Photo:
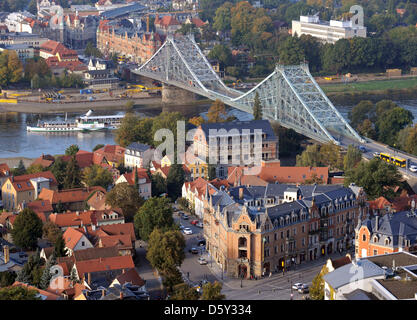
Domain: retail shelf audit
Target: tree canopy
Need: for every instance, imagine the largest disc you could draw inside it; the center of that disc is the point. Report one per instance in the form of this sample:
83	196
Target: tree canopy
27	228
125	197
96	175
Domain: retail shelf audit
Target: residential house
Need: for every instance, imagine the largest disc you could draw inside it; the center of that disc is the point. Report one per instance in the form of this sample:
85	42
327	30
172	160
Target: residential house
4	173
144	182
137	155
26	188
97	201
197	193
83	158
75	240
45	161
168	24
112	155
392	232
43	208
69	199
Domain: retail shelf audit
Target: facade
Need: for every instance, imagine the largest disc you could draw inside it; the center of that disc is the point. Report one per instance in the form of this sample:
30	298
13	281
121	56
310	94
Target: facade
22	38
252	231
138	47
112	155
197	193
75	240
23	51
26	188
144	182
137	155
80	30
328	32
166	25
214	142
392	232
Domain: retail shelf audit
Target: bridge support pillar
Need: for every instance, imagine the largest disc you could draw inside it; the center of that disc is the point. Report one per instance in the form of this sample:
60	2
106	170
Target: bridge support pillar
175	95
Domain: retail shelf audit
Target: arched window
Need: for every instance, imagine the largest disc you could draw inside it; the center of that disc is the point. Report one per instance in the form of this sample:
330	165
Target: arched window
364	237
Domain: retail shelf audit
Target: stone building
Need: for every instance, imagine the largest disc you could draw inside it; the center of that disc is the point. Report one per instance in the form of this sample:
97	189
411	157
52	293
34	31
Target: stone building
136	46
80	30
251	231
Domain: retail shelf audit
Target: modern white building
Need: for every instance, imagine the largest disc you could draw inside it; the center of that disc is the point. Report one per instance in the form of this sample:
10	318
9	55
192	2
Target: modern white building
326	31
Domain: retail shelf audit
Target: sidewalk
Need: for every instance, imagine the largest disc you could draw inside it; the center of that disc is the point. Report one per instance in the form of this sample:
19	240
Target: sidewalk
234	283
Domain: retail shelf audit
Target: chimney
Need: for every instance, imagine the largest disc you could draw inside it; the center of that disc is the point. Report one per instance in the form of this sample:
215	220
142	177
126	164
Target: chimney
240	193
77	213
89	278
103	292
123	270
376	222
121	295
6	253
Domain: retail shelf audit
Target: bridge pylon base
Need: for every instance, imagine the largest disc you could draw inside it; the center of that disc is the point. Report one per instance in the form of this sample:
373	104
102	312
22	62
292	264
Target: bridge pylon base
177	96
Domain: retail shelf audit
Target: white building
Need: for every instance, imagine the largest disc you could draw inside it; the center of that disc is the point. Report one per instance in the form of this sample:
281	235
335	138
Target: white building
75	240
138	155
327	31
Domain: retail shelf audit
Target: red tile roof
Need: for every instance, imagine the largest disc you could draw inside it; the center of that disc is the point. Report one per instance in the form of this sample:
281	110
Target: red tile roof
120	240
84	158
22	183
166	21
104	264
44	160
41	206
109	153
378	203
114	229
198	22
71	237
71	219
68	195
142	174
132	276
4	170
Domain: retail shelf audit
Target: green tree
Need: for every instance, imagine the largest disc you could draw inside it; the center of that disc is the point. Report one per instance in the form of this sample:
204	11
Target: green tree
310	157
367	129
175	180
217	112
98	146
27	228
317	286
352	158
410	145
291	51
11	69
222	54
376	177
222	20
90	50
51	232
365	109
97	176
156	213
212	291
34	168
59	169
72	177
18	293
125	197
257	108
391	122
46	274
211	172
159	185
20	170
59	247
72	150
183	291
166	250
7	278
32	270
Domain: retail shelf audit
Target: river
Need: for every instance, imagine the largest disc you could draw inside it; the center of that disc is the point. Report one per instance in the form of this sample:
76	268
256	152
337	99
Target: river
15	141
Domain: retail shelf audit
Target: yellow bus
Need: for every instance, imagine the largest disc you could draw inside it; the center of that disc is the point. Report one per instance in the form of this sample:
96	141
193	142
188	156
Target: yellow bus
400	162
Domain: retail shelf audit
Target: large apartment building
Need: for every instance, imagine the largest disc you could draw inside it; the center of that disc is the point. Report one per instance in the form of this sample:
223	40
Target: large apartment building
251	231
235	143
326	31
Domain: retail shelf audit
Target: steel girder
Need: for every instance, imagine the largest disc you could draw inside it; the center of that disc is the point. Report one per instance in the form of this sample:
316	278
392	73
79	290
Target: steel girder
289	95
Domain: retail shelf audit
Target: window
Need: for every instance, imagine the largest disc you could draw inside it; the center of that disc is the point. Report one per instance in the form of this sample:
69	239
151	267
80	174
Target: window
303	229
282	235
82	243
364	238
288	233
375	252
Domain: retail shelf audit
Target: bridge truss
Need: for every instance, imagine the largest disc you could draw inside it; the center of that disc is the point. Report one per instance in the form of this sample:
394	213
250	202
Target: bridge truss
289	95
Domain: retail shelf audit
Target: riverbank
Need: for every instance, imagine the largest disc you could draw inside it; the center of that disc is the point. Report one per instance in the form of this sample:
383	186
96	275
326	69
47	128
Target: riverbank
376	90
13	162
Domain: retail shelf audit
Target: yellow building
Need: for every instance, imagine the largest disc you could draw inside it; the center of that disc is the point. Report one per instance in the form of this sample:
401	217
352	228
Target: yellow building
26	188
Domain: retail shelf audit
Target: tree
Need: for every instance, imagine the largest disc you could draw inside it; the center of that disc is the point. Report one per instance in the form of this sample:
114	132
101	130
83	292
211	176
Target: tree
376	177
391	122
46	274
317	286
90	50
7	278
257	108
27	228
217	112
32	270
222	54
156	213
410	145
20	170
175	180
125	197
291	52
72	150
59	169
183	291
366	128
159	185
223	17
166	250
352	158
72	177
97	176
211	172
212	291
98	146
34	168
18	293
129	106
310	157
11	68
59	247
51	232
197	121
365	109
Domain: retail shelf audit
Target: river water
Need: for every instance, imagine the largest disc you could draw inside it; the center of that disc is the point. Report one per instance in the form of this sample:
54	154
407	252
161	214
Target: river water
15	141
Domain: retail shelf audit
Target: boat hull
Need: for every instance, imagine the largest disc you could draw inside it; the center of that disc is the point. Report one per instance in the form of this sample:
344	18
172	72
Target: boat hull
52	129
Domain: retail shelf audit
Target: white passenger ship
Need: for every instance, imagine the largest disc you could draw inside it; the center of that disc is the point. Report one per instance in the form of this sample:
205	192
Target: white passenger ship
86	122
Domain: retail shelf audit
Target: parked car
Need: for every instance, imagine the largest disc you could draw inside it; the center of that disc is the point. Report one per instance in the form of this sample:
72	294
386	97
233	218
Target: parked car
297	285
202	261
199	224
303	289
413	168
187	231
362	148
194	222
194	250
185	217
201	242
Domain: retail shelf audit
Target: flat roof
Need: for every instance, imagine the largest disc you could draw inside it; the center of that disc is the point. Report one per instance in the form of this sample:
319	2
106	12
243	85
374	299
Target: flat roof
401	289
401	259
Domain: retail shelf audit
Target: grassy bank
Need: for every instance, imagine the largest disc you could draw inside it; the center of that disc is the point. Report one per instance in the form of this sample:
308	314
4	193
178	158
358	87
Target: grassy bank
353	93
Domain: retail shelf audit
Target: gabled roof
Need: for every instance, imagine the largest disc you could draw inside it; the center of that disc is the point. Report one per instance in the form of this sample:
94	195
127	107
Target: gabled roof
45	295
40	206
71	219
83	158
104	264
119	240
68	195
44	160
95	253
22	183
72	237
138	146
4	170
132	276
142	174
